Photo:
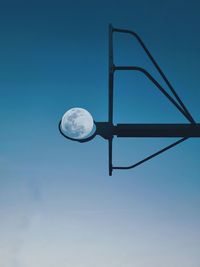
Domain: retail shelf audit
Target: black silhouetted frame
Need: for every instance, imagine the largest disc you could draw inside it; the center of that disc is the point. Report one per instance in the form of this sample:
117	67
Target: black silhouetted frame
108	130
147	130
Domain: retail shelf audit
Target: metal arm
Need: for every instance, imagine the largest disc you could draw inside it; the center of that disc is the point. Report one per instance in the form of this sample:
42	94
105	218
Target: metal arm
180	106
134	34
151	156
162	90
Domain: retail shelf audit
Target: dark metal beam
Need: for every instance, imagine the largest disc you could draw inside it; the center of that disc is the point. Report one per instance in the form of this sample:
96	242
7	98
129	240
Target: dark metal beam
110	77
157	130
110	94
108	131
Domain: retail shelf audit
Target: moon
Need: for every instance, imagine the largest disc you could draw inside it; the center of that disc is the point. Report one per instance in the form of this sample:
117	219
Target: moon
77	123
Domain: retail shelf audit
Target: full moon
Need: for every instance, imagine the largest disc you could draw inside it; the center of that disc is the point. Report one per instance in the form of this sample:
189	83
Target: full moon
77	123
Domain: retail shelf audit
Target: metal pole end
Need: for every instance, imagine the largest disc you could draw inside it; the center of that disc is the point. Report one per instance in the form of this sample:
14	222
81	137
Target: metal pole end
110	170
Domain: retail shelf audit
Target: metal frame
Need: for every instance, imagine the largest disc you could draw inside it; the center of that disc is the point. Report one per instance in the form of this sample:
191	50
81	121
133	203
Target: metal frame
176	101
108	130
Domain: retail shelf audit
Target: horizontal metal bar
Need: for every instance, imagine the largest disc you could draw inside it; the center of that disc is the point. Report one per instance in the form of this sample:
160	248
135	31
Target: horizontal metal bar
157	130
108	130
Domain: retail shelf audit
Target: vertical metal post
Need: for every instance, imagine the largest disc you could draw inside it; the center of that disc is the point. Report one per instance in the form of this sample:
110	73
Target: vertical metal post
110	156
110	97
110	82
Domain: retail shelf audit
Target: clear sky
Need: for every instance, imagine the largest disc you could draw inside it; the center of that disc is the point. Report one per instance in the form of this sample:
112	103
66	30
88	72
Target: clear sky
58	206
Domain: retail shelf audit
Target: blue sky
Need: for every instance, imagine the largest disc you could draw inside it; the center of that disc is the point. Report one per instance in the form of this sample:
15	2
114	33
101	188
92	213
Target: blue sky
58	206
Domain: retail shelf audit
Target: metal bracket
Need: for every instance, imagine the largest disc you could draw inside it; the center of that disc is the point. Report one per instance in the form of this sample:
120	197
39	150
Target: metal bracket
175	100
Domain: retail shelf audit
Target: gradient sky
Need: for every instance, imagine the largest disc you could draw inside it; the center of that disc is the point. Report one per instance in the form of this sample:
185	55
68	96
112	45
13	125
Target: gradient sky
58	206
